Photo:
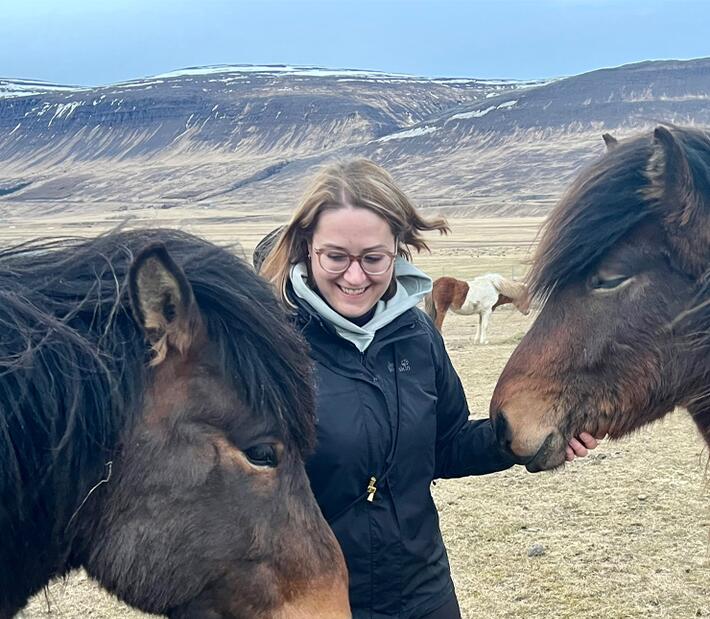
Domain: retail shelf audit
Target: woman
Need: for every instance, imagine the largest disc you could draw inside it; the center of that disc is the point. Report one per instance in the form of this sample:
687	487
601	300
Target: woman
392	414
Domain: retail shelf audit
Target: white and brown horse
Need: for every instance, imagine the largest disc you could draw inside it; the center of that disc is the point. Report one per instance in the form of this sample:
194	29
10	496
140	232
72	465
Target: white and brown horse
480	295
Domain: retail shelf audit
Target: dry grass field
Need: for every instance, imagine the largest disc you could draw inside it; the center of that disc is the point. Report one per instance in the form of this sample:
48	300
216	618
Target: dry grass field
623	533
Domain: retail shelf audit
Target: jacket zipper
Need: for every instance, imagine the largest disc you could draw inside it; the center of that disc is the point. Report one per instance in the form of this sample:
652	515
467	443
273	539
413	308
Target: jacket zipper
372	489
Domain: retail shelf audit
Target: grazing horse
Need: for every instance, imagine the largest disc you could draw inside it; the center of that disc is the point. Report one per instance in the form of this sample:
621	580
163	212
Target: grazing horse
155	411
480	295
623	271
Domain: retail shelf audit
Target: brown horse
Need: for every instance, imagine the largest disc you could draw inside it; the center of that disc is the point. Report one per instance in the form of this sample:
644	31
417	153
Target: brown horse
623	269
481	295
155	412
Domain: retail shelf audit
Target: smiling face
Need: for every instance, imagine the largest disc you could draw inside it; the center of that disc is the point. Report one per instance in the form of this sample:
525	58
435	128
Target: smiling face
354	231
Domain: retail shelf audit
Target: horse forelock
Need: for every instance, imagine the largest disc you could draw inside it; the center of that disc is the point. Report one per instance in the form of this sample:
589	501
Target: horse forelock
73	361
606	202
253	334
603	204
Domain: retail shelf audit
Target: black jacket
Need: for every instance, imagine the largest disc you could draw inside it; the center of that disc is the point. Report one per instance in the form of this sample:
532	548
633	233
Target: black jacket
405	428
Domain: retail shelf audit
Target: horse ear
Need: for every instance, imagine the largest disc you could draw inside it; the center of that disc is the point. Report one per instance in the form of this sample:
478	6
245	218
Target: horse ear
162	302
610	141
684	209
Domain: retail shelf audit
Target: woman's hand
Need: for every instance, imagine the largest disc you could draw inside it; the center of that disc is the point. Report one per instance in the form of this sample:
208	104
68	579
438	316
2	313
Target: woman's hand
580	446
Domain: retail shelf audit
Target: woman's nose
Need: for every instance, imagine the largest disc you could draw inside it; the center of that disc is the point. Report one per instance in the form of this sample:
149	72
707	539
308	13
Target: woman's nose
354	273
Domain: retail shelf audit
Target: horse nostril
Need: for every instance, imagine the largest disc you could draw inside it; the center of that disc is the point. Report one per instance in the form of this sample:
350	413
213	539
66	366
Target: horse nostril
502	429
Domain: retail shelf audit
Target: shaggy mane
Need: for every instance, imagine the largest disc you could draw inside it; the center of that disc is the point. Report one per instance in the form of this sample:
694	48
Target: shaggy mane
73	361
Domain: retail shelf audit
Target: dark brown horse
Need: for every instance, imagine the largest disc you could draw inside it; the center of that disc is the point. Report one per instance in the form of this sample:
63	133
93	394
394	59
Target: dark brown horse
623	270
155	411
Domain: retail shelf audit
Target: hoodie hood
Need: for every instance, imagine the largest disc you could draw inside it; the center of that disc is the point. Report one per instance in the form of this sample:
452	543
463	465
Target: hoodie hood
412	286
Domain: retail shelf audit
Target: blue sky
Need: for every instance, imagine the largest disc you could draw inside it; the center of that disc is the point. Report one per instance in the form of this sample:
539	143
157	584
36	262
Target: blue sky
93	42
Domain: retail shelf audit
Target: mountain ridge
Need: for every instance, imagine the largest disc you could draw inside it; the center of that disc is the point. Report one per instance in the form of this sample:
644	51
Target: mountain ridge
226	136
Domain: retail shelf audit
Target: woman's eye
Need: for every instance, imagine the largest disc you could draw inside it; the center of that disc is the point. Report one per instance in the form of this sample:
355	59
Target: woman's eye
337	257
262	455
373	259
608	283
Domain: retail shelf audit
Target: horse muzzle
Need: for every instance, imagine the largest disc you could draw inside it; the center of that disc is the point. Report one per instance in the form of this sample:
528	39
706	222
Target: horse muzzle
537	451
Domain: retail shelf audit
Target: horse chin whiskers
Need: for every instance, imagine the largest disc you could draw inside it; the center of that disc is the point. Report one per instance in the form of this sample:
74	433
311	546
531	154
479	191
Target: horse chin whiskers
545	459
103	480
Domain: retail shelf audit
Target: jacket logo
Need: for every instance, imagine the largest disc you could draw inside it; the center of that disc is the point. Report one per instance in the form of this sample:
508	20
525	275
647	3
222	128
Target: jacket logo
403	366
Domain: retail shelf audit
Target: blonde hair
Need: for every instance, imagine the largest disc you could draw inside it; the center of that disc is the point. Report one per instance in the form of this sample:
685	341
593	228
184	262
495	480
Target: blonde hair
358	183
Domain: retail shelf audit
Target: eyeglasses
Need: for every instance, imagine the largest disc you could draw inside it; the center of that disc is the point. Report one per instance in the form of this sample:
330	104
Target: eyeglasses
371	262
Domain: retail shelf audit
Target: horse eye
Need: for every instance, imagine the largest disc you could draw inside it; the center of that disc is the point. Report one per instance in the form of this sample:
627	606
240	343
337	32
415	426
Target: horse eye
262	455
600	283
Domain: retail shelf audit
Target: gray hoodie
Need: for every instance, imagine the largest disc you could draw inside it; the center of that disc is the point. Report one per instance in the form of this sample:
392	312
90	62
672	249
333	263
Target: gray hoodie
412	286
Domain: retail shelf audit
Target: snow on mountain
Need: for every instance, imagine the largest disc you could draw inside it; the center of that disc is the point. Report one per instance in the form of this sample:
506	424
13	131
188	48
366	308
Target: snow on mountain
23	88
244	70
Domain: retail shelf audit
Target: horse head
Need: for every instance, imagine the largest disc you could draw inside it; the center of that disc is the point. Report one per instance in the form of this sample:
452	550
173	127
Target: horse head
195	501
622	275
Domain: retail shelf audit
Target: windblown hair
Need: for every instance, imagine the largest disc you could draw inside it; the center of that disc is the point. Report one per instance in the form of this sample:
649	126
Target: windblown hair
356	183
73	361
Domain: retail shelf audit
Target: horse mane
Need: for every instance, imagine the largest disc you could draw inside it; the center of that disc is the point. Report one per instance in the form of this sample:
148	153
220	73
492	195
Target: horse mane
607	201
601	206
509	288
73	362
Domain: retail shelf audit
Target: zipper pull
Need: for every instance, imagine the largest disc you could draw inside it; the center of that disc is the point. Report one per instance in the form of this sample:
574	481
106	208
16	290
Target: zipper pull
371	489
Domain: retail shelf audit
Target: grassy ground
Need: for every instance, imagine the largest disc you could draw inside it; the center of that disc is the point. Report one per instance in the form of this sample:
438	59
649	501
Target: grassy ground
622	533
